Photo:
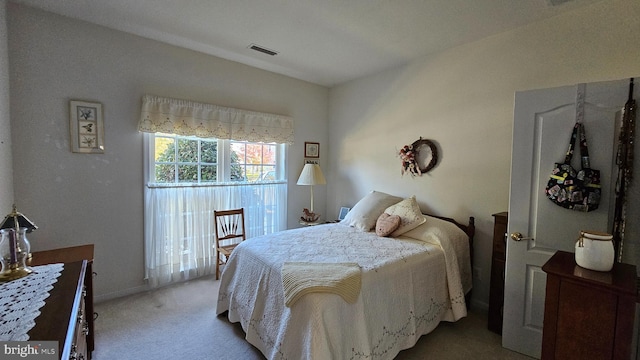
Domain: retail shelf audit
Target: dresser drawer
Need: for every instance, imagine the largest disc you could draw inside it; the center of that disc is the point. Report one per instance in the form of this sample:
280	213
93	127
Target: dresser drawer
71	255
59	317
496	286
79	344
499	233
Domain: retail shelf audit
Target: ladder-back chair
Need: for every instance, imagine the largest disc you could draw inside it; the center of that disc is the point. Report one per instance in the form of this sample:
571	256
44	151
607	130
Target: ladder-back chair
229	232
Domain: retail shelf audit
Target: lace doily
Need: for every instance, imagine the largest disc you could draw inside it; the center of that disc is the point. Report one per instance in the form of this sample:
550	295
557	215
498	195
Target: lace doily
21	300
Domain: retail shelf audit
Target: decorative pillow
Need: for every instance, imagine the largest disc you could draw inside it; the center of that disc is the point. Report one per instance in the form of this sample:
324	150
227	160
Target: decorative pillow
386	224
410	215
365	213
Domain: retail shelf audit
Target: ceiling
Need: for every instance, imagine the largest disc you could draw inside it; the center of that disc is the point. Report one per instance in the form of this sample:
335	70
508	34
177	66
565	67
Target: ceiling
326	42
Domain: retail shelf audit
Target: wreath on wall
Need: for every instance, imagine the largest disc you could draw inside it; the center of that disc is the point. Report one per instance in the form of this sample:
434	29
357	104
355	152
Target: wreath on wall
419	157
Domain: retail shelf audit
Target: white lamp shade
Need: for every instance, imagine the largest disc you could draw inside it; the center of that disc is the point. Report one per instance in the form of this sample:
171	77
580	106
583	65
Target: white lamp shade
311	175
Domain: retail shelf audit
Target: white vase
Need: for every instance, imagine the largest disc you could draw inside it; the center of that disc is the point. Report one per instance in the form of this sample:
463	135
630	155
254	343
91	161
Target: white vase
594	250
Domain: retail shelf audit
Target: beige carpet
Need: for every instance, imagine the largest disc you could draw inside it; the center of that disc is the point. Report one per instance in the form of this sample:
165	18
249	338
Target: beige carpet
179	322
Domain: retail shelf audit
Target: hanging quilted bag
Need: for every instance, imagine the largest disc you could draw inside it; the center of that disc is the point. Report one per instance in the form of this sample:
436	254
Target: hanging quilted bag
571	189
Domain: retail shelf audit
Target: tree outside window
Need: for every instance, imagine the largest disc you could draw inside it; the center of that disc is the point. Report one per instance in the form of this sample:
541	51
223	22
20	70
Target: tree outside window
196	160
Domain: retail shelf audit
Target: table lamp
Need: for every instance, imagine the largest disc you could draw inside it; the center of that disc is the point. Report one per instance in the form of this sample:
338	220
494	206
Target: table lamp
311	175
14	246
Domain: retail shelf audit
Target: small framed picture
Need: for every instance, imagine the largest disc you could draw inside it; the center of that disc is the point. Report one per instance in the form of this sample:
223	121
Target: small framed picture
343	213
311	149
87	129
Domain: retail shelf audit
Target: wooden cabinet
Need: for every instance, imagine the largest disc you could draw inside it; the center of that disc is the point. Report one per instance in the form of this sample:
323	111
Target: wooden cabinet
496	295
588	314
71	255
63	316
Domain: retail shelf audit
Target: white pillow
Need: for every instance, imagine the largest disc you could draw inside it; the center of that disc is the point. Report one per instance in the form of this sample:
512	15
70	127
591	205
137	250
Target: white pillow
365	213
410	215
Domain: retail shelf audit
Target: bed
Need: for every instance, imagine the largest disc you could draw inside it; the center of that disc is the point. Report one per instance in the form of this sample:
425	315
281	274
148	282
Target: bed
406	285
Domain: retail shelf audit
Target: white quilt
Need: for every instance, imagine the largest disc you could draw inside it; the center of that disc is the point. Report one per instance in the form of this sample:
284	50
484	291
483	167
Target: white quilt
407	289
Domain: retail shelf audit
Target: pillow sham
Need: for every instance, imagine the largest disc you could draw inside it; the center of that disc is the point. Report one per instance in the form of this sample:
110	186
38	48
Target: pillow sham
387	224
409	213
365	213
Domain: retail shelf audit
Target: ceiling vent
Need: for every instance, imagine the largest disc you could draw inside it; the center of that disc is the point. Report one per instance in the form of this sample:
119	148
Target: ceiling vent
262	49
557	2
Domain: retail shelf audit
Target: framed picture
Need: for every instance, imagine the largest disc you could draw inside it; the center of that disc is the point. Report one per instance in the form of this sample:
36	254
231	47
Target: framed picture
87	129
311	149
343	213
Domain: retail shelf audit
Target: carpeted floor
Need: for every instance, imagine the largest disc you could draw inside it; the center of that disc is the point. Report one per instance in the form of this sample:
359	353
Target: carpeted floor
179	322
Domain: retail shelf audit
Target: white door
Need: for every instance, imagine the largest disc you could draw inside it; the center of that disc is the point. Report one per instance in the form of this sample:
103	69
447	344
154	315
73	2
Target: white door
543	121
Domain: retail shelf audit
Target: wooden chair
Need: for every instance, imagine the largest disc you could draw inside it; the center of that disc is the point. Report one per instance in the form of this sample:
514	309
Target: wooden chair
229	232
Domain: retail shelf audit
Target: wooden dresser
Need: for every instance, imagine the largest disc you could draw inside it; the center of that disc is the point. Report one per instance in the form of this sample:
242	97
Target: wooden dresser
70	256
588	314
63	316
496	287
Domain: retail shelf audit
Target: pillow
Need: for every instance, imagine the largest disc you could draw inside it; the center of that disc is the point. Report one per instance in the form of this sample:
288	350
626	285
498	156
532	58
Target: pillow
365	213
410	215
387	224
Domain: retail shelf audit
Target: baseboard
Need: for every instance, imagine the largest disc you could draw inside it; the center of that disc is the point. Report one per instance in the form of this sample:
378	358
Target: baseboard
479	306
121	293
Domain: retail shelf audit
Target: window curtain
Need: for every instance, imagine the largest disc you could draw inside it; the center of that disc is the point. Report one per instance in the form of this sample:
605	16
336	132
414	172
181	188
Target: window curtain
179	227
188	118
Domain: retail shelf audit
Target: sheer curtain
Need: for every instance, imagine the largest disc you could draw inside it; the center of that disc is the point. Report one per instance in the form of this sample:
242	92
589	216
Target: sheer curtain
179	226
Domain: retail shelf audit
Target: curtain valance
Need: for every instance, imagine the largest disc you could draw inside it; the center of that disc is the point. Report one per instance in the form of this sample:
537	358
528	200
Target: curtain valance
188	118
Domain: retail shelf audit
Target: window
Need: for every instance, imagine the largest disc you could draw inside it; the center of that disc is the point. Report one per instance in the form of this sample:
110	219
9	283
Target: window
256	161
187	178
190	177
192	160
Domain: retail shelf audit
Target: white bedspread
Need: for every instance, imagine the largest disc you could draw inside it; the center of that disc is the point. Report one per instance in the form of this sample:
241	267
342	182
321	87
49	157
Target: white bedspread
301	278
407	289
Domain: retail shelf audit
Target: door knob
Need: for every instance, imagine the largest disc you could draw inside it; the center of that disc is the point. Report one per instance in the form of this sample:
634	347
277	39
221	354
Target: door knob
516	236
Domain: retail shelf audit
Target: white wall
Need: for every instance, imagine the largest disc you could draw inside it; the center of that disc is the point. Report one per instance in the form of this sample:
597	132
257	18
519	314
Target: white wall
463	99
85	198
6	171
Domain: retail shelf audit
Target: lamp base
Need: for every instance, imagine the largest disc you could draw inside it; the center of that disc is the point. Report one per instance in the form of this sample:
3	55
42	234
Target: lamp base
14	273
309	216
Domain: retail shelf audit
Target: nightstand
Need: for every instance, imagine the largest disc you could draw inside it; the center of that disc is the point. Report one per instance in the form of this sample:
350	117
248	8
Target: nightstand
305	223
